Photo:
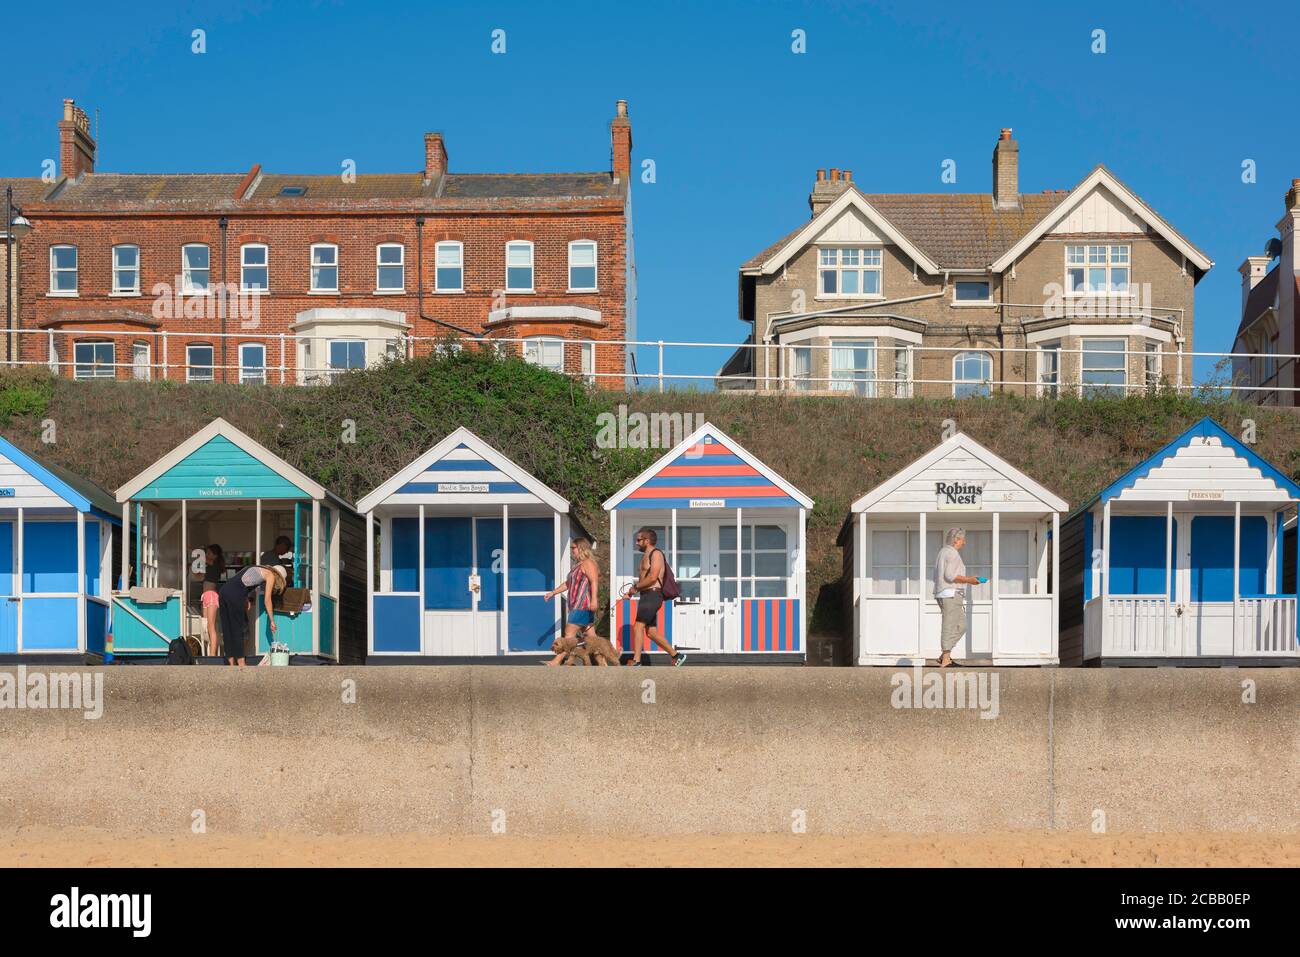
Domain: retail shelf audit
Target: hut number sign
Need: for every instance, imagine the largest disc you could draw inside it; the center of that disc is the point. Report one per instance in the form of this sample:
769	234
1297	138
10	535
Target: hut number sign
462	487
958	495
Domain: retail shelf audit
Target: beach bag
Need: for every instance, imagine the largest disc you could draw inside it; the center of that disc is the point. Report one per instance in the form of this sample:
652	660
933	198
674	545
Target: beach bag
669	587
178	652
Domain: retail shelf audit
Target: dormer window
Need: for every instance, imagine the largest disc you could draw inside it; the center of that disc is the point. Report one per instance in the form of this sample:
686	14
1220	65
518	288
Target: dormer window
849	271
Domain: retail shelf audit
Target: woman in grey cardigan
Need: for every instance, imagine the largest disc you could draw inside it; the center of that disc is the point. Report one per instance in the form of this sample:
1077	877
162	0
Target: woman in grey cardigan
949	572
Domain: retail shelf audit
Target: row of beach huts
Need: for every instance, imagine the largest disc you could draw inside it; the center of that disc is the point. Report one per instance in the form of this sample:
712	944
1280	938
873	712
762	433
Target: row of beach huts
1189	558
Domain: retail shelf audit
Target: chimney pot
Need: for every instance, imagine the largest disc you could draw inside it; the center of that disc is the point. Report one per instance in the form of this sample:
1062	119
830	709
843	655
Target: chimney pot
76	146
821	176
1006	133
848	176
835	174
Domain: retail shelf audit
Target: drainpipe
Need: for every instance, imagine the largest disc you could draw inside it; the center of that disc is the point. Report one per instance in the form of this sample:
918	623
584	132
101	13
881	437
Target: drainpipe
222	223
419	258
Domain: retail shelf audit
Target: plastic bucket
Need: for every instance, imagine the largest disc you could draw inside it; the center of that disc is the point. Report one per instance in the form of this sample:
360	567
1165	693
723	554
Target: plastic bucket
279	658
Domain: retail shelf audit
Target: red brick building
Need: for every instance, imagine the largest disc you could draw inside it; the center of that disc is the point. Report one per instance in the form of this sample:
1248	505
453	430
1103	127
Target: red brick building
262	276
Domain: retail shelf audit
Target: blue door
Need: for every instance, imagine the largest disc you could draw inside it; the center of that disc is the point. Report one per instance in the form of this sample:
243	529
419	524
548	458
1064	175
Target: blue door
8	601
531	574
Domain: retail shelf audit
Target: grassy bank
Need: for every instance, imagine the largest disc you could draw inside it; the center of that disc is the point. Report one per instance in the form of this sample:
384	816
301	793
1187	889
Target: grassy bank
356	433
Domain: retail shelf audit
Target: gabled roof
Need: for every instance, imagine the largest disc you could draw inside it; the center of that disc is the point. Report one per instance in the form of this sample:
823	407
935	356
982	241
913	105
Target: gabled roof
82	494
1101	176
220	428
1205	428
708	465
464	440
961	441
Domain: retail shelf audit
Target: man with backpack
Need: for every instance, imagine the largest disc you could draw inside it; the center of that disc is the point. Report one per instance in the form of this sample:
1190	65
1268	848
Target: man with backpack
654	583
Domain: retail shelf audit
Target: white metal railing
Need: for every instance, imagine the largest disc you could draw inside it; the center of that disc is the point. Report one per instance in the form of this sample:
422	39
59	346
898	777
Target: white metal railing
1265	626
280	360
1137	625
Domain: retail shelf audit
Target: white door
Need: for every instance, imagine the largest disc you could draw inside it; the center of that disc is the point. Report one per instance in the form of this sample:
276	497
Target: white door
694	562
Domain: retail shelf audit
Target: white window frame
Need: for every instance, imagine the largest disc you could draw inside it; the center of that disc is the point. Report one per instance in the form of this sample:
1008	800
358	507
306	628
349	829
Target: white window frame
902	372
191	366
437	265
333	371
976	538
957	383
595	268
141	372
266	264
870	259
972	302
543	341
587	361
380	266
853	384
749	582
95	365
800	381
121	290
187	281
1153	363
1105	388
75	269
1108	262
1049	380
532	266
244	377
313	266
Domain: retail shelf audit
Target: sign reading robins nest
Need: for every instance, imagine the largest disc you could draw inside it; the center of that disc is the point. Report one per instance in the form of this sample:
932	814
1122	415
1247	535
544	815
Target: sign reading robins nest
959	495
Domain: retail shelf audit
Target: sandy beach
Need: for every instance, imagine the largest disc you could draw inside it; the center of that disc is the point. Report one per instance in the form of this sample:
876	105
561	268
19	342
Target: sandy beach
96	848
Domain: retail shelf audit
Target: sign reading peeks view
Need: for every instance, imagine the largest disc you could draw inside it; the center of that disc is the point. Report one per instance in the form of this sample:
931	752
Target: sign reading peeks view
958	495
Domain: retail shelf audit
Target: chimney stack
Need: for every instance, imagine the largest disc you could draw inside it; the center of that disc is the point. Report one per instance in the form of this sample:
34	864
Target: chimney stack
1006	172
620	143
1293	194
828	189
435	156
76	147
1252	271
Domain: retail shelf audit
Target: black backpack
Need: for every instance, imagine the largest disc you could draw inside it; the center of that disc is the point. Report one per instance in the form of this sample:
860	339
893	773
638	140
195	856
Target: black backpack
178	652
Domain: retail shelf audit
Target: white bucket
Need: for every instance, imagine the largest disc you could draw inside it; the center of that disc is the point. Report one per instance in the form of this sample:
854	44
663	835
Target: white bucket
279	658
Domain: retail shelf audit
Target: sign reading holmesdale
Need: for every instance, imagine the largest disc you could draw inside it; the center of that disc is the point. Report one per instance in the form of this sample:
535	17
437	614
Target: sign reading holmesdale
958	495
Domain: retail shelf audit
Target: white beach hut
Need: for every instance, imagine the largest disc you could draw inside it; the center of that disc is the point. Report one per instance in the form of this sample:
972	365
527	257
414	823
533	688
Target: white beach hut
893	532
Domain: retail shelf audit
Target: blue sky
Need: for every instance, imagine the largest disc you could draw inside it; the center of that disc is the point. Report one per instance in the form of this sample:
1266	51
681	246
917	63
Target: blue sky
735	122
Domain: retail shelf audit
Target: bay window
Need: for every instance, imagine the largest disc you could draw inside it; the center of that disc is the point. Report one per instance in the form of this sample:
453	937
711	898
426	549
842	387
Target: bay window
1104	367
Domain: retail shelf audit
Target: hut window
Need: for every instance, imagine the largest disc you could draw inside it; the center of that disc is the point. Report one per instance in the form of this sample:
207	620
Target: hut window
199	360
252	363
545	352
1104	370
254	274
93	360
194	268
126	270
764	562
63	270
582	266
519	266
450	274
390	269
324	268
972	375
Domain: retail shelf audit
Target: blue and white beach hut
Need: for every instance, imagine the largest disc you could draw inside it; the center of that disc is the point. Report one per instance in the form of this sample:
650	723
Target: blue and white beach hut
221	486
1181	561
701	499
469	545
56	559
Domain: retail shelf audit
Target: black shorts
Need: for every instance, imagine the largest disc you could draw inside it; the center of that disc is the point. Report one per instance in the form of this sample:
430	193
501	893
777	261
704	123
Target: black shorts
647	607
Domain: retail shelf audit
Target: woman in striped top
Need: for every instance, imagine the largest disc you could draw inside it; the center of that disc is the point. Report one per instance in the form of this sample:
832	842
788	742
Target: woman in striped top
581	586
